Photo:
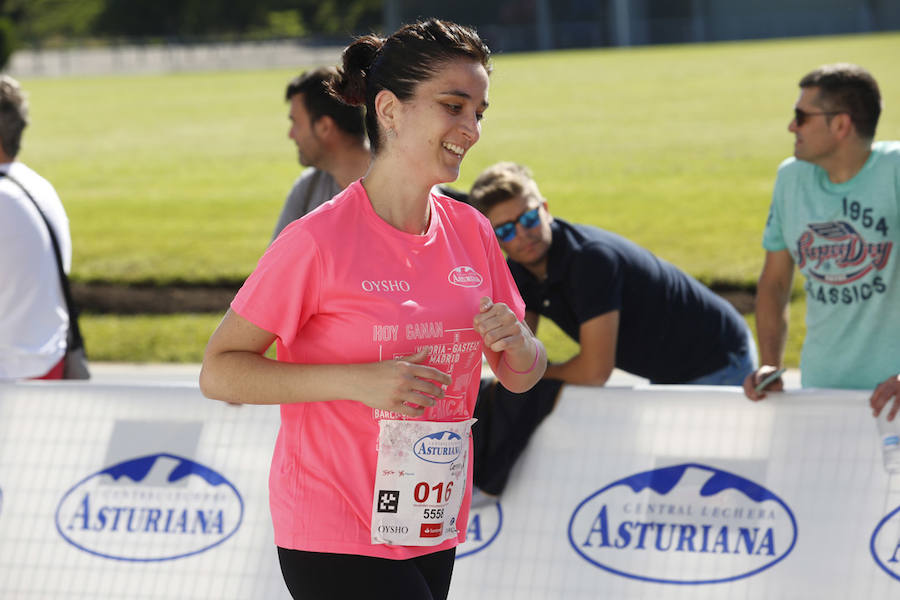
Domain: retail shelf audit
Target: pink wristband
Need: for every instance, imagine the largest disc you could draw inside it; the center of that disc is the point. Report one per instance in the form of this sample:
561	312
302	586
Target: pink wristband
537	354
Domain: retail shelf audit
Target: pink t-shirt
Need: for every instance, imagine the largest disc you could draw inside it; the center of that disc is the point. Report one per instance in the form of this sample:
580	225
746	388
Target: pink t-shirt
340	285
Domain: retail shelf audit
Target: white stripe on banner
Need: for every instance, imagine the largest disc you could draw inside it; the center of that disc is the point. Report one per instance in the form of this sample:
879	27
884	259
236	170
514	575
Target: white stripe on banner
111	491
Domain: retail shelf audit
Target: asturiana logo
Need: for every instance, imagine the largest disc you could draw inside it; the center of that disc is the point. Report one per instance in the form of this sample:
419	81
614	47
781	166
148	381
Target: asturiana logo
684	524
485	523
465	277
442	447
885	544
112	514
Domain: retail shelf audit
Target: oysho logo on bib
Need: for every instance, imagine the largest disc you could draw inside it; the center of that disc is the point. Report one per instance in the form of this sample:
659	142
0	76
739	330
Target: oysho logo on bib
442	447
465	277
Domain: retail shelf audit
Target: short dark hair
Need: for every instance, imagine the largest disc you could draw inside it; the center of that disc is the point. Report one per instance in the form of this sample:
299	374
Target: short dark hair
411	55
845	87
319	102
13	115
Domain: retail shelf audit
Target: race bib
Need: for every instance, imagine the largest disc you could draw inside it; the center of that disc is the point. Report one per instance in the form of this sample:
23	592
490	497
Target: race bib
420	482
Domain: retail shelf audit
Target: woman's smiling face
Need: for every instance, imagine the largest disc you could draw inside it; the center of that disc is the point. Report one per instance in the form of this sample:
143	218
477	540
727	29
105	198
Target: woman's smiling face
436	127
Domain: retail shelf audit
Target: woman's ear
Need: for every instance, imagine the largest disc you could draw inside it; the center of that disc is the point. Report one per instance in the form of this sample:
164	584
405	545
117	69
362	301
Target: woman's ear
386	108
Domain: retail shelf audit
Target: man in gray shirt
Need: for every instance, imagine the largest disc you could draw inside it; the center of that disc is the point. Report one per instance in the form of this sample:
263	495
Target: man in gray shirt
331	142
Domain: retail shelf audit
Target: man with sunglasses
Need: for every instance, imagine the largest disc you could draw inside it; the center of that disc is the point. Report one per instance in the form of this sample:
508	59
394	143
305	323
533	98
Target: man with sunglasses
624	306
835	215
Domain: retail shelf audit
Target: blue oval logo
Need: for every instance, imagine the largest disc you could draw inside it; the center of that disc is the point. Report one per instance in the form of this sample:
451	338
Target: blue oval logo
885	544
152	508
684	524
442	447
485	523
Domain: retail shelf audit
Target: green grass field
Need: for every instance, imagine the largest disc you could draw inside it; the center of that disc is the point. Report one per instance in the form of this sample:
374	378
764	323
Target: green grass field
180	177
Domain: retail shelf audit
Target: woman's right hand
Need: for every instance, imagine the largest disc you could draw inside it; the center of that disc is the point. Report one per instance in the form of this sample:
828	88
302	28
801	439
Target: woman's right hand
403	385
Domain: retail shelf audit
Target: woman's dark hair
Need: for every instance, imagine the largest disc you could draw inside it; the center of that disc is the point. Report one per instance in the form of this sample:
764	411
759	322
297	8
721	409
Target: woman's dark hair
413	54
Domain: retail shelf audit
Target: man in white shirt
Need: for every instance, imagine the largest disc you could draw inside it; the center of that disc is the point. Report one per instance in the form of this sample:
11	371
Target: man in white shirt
34	320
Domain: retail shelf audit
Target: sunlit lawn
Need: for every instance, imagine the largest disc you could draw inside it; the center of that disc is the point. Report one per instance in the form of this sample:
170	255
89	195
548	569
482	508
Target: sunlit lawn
180	177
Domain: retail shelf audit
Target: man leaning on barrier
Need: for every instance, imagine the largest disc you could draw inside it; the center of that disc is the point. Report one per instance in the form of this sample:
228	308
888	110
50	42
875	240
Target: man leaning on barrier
835	215
625	307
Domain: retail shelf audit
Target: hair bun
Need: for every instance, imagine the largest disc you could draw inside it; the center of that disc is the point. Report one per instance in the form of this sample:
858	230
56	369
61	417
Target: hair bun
357	58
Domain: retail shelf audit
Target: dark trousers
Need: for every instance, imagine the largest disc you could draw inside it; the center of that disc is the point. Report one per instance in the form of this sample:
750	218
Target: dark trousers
506	422
325	576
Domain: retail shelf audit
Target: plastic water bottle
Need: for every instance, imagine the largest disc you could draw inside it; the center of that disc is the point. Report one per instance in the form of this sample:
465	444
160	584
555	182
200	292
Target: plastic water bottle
889	433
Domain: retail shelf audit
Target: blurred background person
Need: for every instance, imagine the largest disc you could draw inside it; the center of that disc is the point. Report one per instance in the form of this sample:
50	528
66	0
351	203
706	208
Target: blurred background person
331	144
835	215
625	307
34	318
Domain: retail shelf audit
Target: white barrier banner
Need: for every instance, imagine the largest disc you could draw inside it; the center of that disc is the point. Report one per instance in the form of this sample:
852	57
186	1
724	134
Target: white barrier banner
110	491
134	492
691	492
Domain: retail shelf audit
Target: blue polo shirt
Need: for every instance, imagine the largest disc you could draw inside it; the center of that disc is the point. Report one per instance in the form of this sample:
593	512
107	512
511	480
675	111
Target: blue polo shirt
672	328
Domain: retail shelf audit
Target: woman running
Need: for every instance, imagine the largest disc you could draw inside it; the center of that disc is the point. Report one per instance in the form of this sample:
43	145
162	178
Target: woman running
382	302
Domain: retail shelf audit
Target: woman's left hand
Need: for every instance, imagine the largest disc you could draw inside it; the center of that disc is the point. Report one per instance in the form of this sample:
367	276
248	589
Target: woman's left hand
500	329
522	360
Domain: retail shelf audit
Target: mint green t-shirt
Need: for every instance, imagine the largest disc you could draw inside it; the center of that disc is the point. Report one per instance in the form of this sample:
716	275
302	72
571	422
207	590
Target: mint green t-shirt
845	240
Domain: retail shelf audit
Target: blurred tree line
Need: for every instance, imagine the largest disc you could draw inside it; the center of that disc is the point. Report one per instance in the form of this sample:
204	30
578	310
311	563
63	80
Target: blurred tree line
54	22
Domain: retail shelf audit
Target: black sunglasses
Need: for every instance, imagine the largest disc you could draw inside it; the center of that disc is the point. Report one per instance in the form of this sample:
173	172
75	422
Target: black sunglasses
528	219
801	115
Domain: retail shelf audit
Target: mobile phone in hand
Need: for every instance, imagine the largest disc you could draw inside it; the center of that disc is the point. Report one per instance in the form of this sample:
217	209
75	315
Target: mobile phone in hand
762	384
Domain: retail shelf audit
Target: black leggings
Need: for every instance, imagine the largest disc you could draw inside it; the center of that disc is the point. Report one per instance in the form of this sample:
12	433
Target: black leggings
320	575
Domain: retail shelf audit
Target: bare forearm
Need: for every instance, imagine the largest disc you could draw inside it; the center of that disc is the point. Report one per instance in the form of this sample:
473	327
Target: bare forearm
773	294
519	370
578	370
772	327
248	378
596	356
